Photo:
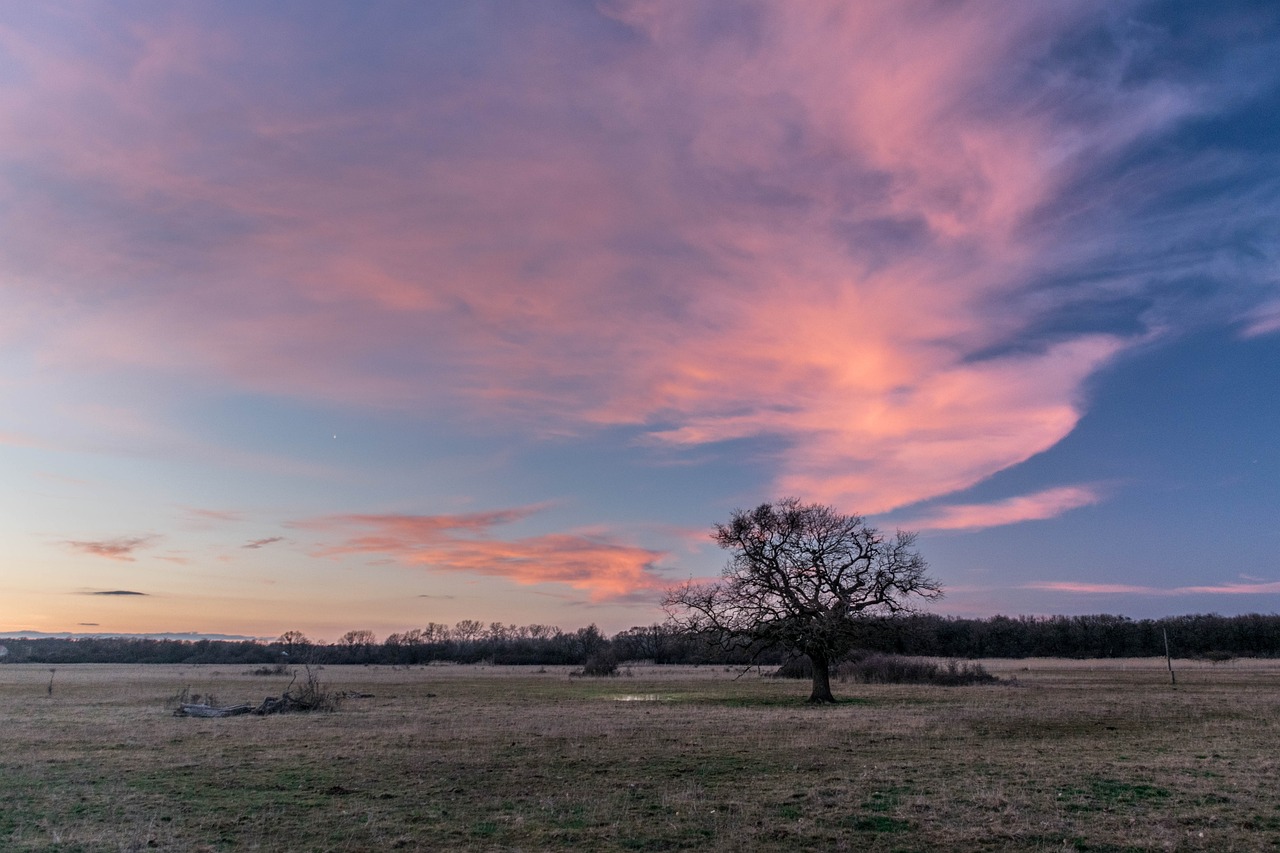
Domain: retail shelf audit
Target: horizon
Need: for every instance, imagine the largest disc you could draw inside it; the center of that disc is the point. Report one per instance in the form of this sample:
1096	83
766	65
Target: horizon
276	639
374	317
379	639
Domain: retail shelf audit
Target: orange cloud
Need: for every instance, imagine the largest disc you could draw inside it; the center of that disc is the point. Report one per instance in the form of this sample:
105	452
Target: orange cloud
1034	507
461	543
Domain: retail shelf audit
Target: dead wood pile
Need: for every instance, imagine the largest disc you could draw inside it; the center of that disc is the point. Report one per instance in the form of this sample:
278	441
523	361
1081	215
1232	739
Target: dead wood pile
311	695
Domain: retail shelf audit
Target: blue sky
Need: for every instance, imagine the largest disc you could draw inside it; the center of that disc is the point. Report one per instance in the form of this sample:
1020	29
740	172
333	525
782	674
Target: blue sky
338	315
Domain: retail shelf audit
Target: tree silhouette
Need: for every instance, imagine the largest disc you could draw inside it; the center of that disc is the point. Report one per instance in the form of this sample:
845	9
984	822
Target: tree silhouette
802	577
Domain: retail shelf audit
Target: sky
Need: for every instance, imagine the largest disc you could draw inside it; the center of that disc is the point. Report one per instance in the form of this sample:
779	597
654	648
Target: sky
327	316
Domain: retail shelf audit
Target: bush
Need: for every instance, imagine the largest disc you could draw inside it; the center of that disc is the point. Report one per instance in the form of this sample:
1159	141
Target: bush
895	669
280	668
602	664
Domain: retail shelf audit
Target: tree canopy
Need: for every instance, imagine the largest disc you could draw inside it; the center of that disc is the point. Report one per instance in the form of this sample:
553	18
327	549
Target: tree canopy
802	577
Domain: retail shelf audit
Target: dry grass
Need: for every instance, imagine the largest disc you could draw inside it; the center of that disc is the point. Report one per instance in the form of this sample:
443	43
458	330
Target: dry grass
1080	755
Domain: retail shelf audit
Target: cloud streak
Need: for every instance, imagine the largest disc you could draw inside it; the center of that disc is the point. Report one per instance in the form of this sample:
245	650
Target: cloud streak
121	548
1245	588
604	568
262	543
1039	506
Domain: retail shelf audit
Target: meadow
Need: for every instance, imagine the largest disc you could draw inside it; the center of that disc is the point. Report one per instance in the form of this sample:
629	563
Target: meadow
1076	755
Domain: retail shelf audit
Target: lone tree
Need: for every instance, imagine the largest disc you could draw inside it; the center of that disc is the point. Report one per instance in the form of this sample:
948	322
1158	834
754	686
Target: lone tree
801	577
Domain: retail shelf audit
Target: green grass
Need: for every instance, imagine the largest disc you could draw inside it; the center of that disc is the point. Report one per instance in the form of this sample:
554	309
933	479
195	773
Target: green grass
500	759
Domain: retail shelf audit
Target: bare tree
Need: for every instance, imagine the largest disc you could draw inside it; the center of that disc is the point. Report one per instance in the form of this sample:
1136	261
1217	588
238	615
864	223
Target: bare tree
801	577
466	630
363	637
293	640
435	632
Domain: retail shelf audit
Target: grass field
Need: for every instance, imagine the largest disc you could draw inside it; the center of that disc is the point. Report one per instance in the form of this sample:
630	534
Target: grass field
1075	756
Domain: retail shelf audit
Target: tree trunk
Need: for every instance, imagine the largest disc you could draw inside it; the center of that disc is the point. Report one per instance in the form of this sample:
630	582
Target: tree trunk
821	680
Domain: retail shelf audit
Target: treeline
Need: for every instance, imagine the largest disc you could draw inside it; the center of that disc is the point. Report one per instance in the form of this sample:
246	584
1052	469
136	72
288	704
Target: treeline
469	641
1099	636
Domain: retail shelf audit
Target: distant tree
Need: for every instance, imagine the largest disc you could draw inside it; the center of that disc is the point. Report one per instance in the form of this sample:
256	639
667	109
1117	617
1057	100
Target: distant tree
412	637
466	630
541	632
801	577
498	632
589	641
292	641
645	642
358	638
435	632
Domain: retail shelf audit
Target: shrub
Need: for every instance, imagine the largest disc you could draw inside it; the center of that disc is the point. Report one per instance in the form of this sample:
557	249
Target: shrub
280	668
895	669
602	664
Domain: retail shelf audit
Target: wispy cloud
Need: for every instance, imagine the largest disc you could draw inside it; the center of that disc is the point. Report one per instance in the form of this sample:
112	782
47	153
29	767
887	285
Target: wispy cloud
17	439
866	236
597	564
115	592
262	543
121	548
218	515
1049	503
1246	588
1263	320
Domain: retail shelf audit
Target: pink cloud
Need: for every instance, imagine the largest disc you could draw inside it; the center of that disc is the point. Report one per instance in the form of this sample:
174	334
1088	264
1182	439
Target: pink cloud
1263	321
604	568
1095	588
816	236
121	548
1049	503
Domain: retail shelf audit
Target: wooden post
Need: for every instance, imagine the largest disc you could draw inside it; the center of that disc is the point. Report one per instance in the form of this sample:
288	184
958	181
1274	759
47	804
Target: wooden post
1168	659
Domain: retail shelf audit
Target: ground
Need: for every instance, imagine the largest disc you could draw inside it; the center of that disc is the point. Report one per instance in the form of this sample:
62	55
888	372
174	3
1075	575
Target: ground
1076	755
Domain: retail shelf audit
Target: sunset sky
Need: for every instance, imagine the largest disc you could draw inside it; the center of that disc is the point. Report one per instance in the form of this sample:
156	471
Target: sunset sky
362	315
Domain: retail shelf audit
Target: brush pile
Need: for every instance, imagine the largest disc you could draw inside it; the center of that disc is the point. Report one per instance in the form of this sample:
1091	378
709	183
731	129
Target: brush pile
310	695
